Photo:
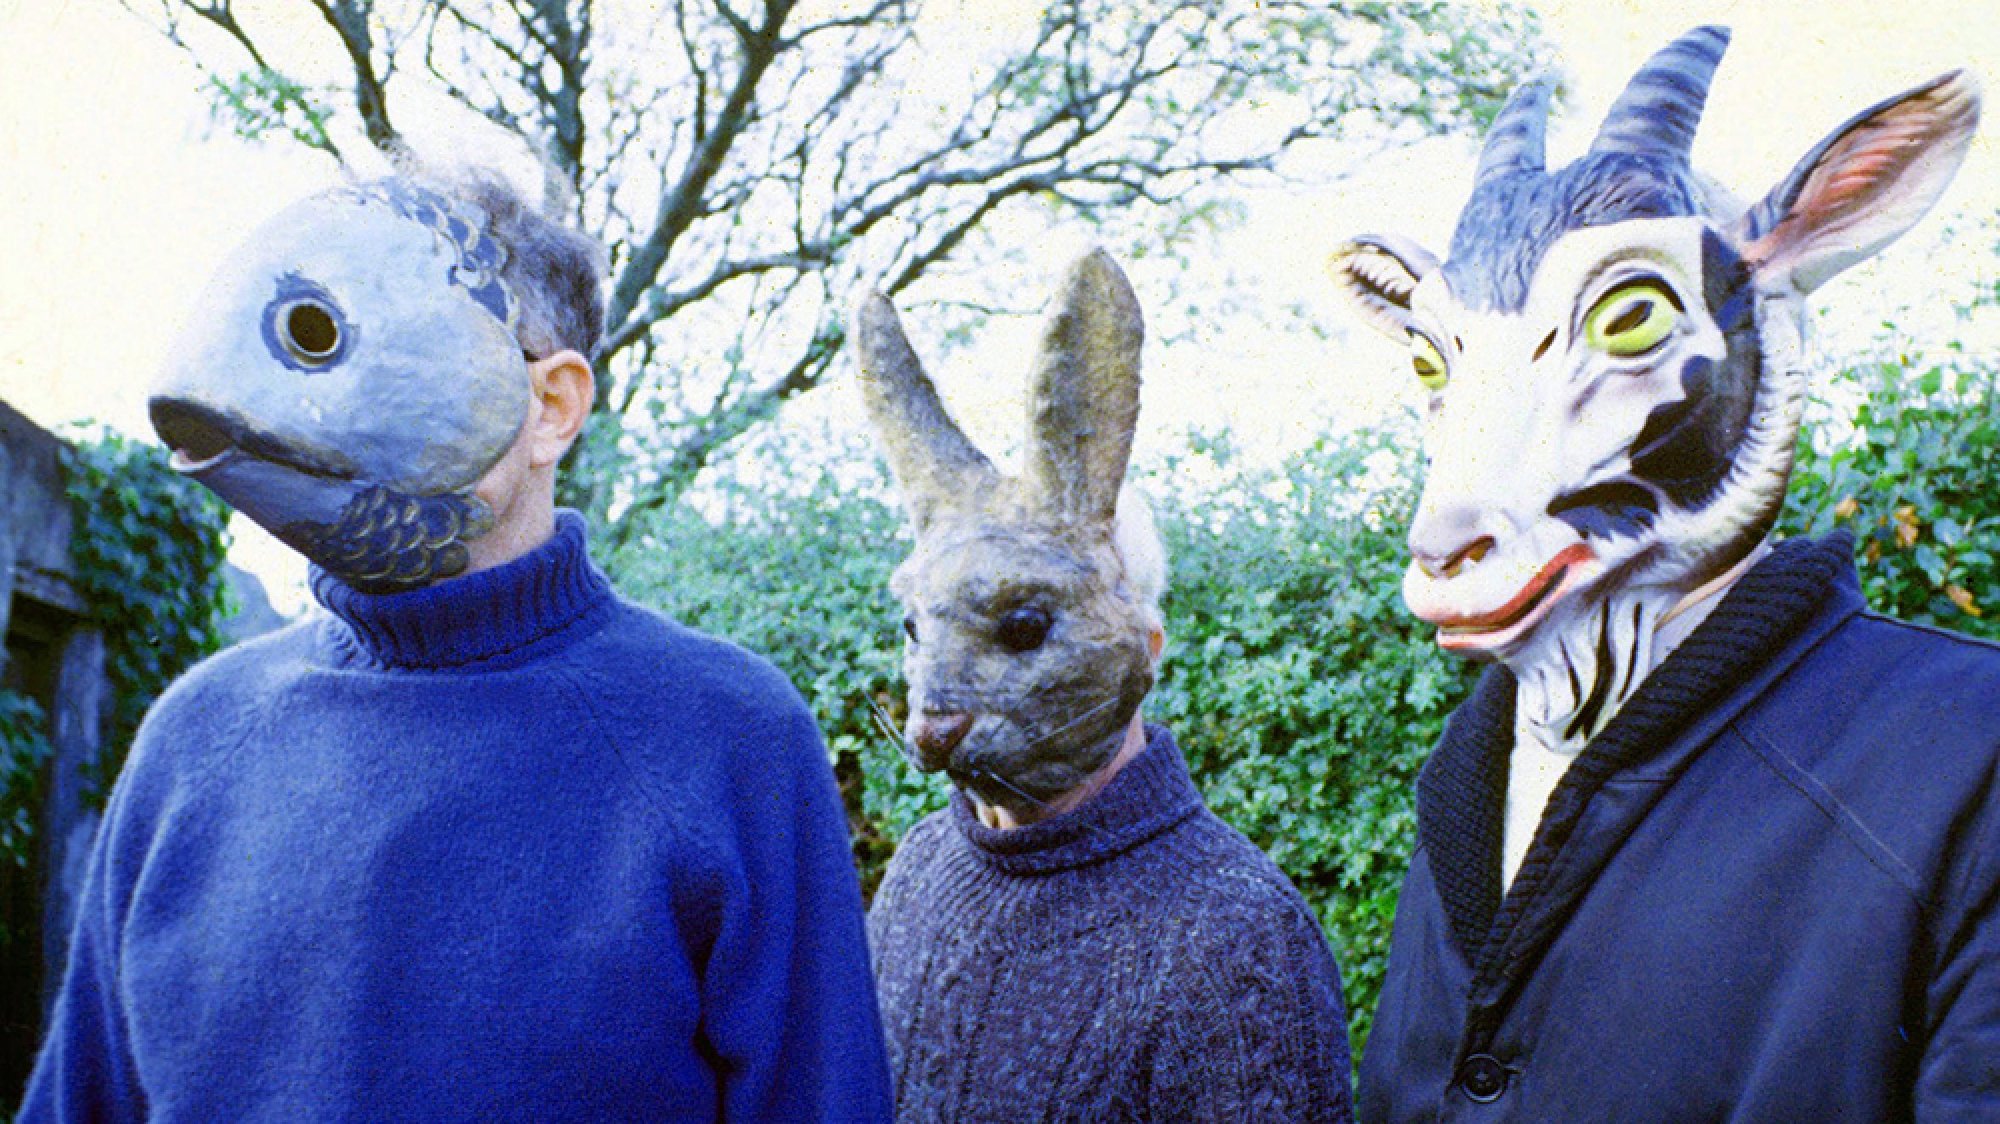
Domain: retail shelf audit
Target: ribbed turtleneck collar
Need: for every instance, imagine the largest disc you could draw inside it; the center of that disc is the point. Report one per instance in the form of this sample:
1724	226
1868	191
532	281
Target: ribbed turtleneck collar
492	616
1152	793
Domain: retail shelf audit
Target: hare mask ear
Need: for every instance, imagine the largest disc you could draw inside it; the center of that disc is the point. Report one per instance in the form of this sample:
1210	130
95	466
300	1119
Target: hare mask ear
931	457
1083	398
1863	186
1378	272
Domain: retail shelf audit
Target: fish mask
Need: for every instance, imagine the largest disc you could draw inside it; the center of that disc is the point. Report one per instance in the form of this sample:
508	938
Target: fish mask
349	375
1614	359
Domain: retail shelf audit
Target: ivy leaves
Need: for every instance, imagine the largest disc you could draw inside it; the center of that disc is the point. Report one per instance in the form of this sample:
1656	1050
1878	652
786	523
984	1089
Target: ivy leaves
146	548
24	749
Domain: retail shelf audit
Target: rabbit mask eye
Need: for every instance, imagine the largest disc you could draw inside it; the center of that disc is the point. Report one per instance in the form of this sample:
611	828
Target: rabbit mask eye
910	628
1023	630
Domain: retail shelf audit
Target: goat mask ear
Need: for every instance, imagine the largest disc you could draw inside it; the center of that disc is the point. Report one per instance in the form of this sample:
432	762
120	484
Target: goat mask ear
1378	272
1083	397
1864	185
931	457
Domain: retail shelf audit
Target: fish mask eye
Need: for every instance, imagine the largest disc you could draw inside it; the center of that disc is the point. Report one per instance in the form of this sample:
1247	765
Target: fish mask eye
303	327
1632	319
1428	362
310	332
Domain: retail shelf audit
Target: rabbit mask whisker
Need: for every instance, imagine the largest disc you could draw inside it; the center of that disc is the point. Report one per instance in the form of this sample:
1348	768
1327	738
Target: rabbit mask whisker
886	726
1003	782
1078	719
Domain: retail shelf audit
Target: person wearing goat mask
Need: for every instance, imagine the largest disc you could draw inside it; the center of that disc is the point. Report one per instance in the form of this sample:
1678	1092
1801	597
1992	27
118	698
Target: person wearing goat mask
1076	937
1710	840
483	841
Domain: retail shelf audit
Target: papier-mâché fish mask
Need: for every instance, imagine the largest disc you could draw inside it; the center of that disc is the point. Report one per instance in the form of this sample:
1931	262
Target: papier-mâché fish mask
348	376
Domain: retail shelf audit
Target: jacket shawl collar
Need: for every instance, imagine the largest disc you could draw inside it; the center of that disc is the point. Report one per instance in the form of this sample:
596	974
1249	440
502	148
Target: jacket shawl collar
1765	623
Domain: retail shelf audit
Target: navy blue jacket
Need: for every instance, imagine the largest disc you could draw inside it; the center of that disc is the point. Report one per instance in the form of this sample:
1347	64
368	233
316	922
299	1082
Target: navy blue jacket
1768	891
503	848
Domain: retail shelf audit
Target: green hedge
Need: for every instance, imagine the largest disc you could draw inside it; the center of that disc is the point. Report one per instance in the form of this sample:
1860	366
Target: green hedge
1304	693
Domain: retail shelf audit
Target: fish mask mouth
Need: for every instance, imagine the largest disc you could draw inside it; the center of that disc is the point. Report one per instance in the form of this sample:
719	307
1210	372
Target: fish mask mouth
203	439
371	536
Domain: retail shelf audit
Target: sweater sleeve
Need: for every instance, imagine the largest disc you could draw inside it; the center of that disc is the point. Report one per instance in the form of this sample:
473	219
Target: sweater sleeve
788	1001
1253	1028
85	1071
1959	1076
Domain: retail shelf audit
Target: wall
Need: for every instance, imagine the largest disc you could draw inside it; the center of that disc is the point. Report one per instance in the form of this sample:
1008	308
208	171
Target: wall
53	654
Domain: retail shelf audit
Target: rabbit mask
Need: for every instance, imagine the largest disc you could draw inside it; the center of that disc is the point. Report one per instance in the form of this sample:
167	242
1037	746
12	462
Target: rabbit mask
351	374
1028	651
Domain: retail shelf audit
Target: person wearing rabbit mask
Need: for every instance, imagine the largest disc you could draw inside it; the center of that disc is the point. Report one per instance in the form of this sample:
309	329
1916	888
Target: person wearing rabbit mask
1076	937
483	841
1710	840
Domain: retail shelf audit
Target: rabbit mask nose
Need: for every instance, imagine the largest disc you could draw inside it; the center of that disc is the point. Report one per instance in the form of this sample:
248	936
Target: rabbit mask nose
936	735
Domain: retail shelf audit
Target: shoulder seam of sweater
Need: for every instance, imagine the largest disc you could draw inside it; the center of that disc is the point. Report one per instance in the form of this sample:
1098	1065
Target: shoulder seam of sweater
567	678
197	781
254	723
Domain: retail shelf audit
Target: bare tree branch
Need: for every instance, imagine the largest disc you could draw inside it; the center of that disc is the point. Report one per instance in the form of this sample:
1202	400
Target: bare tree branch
743	160
349	20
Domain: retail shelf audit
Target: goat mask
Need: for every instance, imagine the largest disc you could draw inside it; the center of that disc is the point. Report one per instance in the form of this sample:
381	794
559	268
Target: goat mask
1615	367
348	376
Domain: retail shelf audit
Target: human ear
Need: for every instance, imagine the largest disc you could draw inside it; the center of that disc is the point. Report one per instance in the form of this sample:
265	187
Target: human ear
563	389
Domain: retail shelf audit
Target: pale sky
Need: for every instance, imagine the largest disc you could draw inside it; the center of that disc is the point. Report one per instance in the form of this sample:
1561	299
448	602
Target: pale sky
118	200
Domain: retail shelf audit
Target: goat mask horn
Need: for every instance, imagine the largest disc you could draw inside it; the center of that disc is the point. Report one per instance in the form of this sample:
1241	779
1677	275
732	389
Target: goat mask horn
1515	143
1661	106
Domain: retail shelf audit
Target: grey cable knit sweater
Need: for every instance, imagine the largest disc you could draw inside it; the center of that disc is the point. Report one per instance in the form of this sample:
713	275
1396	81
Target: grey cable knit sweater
1134	959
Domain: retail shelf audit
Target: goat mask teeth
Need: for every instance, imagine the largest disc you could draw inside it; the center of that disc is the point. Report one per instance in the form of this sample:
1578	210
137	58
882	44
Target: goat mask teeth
347	378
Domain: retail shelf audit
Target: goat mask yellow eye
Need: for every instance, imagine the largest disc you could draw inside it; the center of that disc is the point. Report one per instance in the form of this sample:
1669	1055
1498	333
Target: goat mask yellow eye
1428	361
1632	319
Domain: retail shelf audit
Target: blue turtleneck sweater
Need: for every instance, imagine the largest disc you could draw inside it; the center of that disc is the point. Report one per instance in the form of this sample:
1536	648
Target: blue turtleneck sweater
504	848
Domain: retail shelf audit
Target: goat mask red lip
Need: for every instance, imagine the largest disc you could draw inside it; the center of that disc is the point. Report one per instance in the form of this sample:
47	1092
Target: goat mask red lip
1527	600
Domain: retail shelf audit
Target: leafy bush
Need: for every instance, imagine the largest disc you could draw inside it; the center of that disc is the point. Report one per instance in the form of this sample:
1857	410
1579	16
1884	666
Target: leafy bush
1915	473
24	749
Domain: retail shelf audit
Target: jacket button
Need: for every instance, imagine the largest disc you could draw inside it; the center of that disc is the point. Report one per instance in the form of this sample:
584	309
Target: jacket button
1483	1078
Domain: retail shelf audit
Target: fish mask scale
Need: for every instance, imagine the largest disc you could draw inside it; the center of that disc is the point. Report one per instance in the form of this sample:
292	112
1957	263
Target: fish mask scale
347	378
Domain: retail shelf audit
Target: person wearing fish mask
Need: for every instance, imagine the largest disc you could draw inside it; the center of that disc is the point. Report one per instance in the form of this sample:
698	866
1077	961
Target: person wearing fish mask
483	841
